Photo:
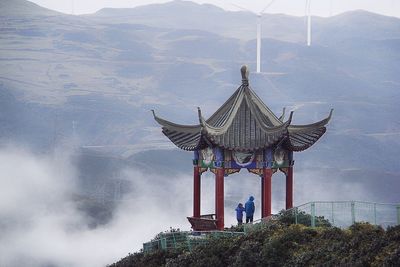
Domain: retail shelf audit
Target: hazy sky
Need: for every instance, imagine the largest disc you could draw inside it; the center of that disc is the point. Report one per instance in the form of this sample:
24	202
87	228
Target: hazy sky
293	7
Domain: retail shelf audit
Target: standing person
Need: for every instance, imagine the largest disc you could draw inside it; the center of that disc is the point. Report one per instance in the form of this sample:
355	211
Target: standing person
239	213
249	209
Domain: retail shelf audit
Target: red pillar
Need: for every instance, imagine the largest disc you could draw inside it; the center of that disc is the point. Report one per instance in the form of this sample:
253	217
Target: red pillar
289	188
219	198
196	191
262	196
266	193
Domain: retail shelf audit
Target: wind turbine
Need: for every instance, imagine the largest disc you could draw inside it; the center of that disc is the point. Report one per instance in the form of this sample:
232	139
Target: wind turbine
72	7
308	14
259	16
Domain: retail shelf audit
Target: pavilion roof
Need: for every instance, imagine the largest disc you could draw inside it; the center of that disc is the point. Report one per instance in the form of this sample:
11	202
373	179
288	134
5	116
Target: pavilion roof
243	123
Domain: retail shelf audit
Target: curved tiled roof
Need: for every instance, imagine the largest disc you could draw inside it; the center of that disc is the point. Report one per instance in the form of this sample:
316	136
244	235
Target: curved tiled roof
302	137
243	123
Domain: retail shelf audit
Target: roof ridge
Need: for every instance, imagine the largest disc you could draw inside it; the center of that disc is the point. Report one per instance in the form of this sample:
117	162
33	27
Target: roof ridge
228	119
263	108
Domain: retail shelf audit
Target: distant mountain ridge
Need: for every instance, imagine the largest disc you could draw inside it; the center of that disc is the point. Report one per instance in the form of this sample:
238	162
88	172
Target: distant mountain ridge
161	9
106	72
240	24
23	7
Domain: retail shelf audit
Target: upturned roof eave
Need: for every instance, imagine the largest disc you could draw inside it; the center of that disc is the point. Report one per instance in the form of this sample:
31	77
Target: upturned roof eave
174	126
314	125
302	137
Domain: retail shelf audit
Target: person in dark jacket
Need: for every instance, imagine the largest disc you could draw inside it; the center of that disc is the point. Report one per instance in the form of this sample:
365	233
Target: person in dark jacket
249	209
239	213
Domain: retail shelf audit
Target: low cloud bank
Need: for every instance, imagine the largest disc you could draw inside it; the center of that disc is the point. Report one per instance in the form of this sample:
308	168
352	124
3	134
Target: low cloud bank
41	225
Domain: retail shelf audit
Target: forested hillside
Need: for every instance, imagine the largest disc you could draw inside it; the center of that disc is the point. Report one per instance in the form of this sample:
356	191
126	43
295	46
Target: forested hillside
279	244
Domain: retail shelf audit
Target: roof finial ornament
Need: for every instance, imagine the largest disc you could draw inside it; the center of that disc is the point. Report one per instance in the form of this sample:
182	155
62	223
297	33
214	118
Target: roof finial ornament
200	117
245	75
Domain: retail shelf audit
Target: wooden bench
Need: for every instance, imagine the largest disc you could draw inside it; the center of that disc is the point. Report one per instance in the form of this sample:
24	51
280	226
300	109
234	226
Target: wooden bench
203	223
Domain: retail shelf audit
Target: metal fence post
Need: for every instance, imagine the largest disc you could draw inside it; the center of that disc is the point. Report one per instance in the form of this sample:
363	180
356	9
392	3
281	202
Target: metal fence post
353	214
398	214
332	218
189	244
312	214
295	215
163	242
173	235
375	213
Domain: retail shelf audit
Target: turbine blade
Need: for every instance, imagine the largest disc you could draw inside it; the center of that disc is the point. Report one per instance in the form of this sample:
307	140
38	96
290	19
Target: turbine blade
267	6
243	8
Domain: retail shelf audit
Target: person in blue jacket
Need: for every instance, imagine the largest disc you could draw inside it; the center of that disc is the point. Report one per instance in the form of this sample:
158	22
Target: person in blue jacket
239	213
249	209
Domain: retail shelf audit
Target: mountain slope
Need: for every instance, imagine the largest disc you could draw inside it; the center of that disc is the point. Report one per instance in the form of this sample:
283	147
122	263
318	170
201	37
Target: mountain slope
104	72
242	25
10	8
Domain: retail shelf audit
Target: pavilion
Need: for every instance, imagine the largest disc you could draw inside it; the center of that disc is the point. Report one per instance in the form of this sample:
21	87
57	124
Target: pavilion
242	133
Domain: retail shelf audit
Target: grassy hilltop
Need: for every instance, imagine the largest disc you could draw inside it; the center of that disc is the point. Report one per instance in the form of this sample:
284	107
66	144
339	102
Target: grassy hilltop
281	244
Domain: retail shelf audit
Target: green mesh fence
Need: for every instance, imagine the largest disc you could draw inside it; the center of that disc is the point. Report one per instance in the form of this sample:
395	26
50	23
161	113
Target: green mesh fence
345	213
335	213
319	213
184	240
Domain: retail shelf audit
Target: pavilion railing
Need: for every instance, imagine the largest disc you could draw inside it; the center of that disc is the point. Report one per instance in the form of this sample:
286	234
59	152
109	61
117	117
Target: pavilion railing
345	213
318	213
337	213
185	240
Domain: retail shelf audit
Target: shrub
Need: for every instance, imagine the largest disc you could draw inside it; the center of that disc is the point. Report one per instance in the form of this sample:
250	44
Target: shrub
289	217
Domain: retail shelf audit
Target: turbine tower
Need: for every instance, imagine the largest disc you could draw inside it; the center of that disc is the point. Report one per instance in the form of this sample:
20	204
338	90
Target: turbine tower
308	14
259	17
72	7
